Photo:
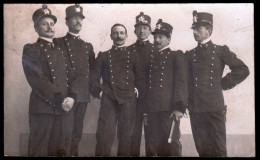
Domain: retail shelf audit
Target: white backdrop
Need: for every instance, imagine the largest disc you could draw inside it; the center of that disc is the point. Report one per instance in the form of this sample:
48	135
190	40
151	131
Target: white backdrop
233	26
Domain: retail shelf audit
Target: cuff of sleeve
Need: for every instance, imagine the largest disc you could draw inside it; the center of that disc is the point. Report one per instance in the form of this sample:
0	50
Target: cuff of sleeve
180	107
58	98
72	95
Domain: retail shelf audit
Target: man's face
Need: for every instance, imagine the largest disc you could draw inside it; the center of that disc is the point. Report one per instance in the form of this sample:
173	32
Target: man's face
201	33
45	27
142	32
75	24
118	35
161	41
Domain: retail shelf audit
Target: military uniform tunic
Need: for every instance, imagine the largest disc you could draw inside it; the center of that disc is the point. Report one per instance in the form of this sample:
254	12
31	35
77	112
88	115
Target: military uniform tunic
206	101
120	72
167	89
206	66
51	79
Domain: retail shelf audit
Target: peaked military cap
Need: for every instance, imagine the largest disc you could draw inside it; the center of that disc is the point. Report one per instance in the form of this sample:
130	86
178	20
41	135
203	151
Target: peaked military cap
163	28
74	10
201	18
41	13
143	19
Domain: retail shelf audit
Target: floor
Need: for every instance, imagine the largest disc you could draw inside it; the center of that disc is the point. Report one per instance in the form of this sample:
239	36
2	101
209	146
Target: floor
237	146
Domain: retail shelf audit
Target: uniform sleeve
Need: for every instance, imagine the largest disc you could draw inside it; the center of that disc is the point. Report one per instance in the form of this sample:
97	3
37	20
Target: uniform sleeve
239	71
38	81
95	87
91	62
140	76
180	98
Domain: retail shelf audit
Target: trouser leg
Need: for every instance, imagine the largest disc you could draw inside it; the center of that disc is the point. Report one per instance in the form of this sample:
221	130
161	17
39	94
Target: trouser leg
106	126
60	140
79	114
209	133
175	147
137	135
218	134
154	128
148	138
40	131
126	120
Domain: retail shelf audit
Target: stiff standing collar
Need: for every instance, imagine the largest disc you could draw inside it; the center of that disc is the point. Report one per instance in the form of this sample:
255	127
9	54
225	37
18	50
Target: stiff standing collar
205	45
142	43
145	40
119	48
76	35
205	40
46	39
163	48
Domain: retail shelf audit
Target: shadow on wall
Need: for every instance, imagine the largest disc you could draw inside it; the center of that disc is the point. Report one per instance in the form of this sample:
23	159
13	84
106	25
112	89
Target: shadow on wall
237	145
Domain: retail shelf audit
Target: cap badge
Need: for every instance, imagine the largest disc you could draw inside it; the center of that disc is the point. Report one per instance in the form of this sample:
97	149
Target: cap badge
46	11
195	18
142	19
159	26
77	9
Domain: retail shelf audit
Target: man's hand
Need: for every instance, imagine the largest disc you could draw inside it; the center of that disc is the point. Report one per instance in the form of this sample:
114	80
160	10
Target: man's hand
67	104
137	93
100	94
177	115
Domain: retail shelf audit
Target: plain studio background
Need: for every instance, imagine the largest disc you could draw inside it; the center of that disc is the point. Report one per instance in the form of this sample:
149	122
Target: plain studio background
233	26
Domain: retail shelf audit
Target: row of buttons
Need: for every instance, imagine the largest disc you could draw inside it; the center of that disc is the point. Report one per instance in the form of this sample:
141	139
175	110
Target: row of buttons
211	71
150	75
111	70
72	61
52	70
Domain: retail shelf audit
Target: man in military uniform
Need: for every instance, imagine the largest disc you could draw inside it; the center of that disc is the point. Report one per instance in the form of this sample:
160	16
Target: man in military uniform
167	92
144	49
81	57
206	102
53	90
120	71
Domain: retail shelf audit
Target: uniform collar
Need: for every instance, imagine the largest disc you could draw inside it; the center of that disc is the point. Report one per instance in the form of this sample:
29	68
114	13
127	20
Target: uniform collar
205	40
142	43
119	48
72	36
205	45
46	39
163	48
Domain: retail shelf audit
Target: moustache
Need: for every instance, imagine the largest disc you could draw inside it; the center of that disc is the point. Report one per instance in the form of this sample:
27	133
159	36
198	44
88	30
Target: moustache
119	39
78	24
156	43
51	31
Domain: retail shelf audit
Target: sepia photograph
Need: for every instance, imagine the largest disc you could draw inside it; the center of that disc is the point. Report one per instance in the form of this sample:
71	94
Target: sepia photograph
129	80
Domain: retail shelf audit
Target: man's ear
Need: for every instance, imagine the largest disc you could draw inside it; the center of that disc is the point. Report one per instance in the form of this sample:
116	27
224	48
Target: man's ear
169	39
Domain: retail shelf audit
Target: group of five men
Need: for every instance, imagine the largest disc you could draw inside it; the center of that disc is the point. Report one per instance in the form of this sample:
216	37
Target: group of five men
143	83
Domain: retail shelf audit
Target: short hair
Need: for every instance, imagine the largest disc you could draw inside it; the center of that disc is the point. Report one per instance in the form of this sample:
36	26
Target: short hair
118	24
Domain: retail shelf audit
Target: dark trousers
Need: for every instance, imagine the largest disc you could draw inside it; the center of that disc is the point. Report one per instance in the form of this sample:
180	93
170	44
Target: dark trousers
50	135
111	115
160	123
79	114
137	135
209	133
